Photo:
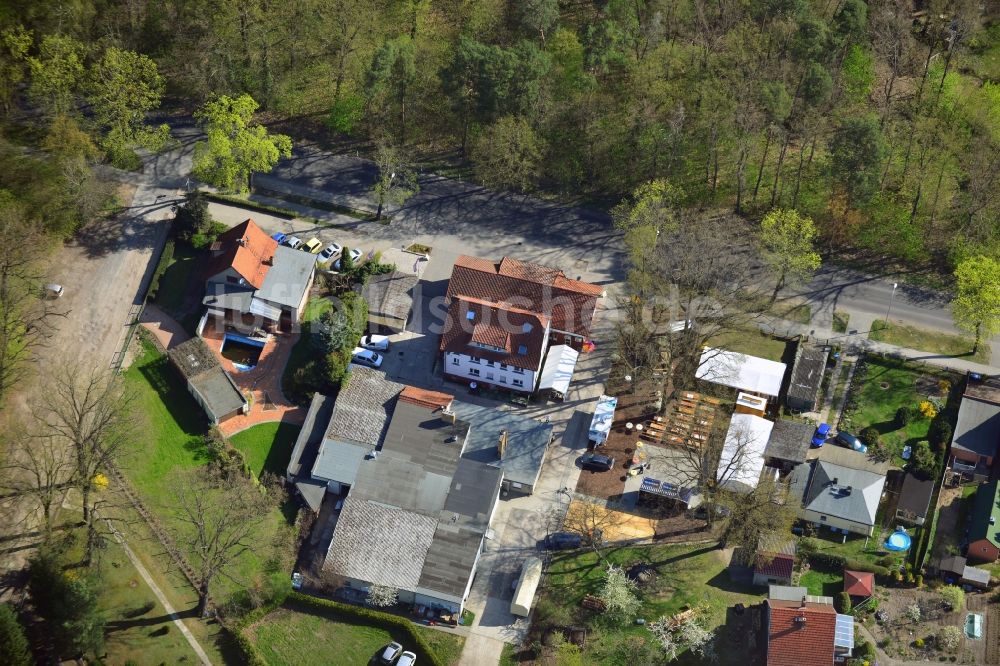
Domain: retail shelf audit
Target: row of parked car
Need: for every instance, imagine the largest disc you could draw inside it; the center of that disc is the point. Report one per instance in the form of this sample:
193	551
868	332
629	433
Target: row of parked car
315	246
393	654
843	438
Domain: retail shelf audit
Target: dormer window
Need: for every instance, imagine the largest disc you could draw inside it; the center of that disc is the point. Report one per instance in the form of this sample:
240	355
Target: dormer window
470	315
526	328
522	350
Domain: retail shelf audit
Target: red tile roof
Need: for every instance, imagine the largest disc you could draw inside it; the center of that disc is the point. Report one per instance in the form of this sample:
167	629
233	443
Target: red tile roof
506	328
519	284
859	583
246	249
432	400
798	643
777	565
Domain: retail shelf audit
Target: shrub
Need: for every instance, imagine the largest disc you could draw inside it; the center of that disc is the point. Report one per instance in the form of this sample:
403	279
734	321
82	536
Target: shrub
948	638
194	224
870	436
944	386
920	580
927	409
923	461
902	417
954	596
14	647
919	643
939	433
844	602
912	613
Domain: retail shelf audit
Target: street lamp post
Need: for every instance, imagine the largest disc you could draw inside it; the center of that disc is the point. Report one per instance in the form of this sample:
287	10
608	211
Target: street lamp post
891	296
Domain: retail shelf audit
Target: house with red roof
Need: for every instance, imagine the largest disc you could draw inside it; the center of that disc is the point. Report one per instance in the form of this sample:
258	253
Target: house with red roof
773	568
503	317
253	283
806	633
859	583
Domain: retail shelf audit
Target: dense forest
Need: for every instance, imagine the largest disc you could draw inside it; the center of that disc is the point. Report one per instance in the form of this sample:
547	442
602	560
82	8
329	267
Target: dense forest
880	120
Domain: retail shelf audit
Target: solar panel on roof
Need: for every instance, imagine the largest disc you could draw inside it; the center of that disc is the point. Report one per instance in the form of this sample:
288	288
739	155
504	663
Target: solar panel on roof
844	633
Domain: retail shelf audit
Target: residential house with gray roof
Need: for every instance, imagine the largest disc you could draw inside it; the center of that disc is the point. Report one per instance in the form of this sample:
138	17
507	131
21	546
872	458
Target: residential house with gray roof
845	499
977	431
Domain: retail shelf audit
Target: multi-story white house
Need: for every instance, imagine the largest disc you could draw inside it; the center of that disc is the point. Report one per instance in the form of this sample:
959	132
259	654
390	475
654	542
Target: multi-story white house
502	317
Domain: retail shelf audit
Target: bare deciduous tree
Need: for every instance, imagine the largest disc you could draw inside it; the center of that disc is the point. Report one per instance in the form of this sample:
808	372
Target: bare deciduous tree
219	516
40	470
88	412
25	319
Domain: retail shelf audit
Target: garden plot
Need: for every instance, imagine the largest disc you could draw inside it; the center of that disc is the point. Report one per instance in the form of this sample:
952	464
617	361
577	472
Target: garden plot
919	624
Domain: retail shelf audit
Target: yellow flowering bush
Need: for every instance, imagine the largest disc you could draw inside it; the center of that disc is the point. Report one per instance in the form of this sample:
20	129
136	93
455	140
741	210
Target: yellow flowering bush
100	481
927	409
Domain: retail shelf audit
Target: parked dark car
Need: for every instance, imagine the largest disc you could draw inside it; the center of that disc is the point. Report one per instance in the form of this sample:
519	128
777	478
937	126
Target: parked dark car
851	442
563	541
596	462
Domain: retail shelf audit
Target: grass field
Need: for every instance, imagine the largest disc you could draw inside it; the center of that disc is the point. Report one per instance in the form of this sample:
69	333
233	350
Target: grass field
177	277
945	344
840	321
267	446
823	583
889	385
172	441
288	637
753	343
686	576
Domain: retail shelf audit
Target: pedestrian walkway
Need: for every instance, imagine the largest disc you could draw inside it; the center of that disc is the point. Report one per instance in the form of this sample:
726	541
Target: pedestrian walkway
163	327
860	340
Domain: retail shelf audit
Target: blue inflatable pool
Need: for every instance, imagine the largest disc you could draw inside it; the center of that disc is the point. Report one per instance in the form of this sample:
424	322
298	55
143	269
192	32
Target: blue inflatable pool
898	541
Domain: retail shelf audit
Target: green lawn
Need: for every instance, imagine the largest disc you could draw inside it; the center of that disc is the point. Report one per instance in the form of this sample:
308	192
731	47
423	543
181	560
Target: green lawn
823	583
267	446
171	430
800	314
176	278
687	576
889	385
303	638
137	626
958	346
753	343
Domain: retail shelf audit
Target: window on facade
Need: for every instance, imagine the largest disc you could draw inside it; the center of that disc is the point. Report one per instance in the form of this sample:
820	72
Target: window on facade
503	366
489	376
518	382
474	359
518	371
503	380
489	364
474	372
823	518
454	360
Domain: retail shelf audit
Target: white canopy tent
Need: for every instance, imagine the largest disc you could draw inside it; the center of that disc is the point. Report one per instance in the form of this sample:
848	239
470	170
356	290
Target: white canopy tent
742	458
739	371
557	372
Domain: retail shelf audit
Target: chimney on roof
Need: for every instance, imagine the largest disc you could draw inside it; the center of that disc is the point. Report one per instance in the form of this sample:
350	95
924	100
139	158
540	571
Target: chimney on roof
242	241
803	601
800	620
835	480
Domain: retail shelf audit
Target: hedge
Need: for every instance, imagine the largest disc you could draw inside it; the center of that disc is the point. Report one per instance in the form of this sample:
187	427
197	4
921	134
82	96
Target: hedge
161	267
337	610
826	559
250	205
861	565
